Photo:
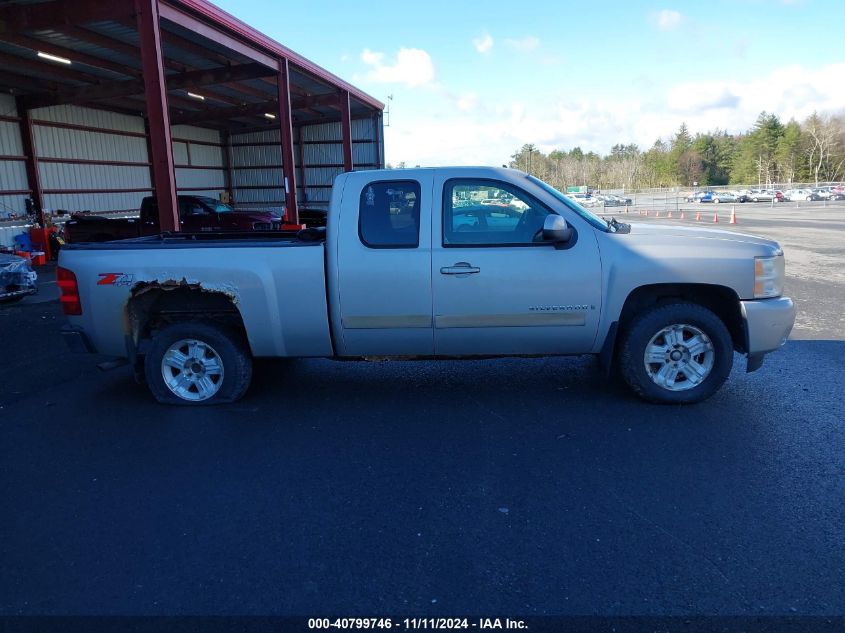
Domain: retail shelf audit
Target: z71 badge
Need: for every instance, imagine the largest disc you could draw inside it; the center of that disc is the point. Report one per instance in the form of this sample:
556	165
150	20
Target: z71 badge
115	279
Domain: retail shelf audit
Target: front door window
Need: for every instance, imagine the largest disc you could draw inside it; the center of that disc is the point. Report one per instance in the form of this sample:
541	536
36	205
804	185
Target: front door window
490	213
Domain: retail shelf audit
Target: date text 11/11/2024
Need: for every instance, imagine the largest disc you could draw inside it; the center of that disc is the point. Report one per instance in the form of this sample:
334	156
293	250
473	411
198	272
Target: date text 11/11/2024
416	623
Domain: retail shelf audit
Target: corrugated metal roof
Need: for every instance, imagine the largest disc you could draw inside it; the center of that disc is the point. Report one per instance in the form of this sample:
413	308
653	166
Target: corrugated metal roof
213	48
229	22
55	70
115	44
74	44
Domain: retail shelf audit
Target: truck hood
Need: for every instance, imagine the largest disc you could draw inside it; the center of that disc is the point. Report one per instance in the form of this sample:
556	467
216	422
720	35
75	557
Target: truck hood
674	234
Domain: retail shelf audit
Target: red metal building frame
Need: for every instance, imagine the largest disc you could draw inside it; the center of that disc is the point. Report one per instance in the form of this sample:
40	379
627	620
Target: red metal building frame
200	29
158	114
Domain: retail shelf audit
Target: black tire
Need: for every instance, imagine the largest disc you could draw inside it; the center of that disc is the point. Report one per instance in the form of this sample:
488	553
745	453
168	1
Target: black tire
639	333
10	300
229	346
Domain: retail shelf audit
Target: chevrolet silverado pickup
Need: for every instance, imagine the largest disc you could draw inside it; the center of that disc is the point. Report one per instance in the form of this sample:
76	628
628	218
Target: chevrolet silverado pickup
418	263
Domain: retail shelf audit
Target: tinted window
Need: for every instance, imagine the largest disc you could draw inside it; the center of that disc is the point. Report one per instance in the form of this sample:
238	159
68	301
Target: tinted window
215	205
490	213
389	214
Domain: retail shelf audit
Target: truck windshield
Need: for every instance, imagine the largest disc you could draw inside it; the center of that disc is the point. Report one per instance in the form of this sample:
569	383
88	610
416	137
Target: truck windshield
215	205
590	217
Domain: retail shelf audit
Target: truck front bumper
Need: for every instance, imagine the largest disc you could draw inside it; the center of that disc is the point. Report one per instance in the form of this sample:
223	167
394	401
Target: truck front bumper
768	323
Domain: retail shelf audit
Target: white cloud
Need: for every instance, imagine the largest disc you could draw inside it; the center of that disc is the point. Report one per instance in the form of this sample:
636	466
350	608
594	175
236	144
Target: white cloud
412	67
484	43
667	19
467	102
488	133
696	97
370	58
524	44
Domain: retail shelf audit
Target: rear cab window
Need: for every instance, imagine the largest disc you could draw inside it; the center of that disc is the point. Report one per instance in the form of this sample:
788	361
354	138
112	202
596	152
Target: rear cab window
389	214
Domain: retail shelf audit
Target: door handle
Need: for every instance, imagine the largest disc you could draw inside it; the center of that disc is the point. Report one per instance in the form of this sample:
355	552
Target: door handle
460	269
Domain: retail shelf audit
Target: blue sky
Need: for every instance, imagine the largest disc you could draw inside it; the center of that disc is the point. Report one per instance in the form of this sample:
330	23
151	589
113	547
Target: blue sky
472	82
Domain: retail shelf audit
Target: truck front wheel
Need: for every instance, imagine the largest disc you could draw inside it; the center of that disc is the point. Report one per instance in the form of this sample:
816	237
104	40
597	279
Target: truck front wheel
677	353
195	363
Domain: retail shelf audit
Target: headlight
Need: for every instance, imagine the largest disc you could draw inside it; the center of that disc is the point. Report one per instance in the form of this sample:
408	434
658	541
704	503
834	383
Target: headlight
768	276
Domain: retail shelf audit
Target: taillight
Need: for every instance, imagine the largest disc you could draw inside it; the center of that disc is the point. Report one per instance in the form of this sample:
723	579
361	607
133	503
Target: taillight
69	298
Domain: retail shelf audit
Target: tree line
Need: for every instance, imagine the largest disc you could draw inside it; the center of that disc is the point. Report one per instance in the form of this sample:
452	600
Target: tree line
771	152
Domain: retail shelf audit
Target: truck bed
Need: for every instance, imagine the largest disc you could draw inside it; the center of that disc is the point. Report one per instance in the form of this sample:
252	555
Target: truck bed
275	280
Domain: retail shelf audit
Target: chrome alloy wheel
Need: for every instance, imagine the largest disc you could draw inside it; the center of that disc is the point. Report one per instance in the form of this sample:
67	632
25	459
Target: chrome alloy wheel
192	370
679	357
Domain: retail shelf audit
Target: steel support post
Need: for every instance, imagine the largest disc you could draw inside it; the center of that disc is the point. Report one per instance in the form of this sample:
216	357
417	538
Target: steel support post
286	140
32	175
158	116
377	138
302	178
346	130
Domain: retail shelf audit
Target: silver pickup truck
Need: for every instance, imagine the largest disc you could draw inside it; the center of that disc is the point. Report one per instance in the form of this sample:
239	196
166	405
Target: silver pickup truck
432	263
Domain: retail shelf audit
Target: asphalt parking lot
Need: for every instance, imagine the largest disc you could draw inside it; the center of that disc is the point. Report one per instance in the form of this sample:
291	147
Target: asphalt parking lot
513	487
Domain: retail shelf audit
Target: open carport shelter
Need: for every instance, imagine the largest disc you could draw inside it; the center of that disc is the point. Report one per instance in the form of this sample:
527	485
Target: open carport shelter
103	102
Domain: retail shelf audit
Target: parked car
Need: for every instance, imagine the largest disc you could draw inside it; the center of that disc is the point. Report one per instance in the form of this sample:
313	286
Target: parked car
835	192
706	196
724	196
830	193
196	213
395	275
612	200
795	195
584	199
17	279
765	195
743	195
695	196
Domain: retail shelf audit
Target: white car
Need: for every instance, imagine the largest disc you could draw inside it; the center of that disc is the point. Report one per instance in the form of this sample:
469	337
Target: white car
794	195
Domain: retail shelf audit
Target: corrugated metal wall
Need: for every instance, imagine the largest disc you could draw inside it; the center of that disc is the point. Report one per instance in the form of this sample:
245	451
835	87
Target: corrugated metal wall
257	163
90	160
12	167
96	160
198	157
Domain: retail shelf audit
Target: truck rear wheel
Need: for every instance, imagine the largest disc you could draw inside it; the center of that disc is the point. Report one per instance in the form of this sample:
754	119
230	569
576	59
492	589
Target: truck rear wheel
195	363
676	353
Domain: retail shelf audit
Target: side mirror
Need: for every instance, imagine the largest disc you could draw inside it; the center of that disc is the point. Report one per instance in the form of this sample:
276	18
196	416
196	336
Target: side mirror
556	230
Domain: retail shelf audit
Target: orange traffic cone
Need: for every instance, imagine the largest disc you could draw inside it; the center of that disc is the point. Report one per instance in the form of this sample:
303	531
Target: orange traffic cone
716	217
657	214
669	215
733	216
682	216
626	208
698	217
